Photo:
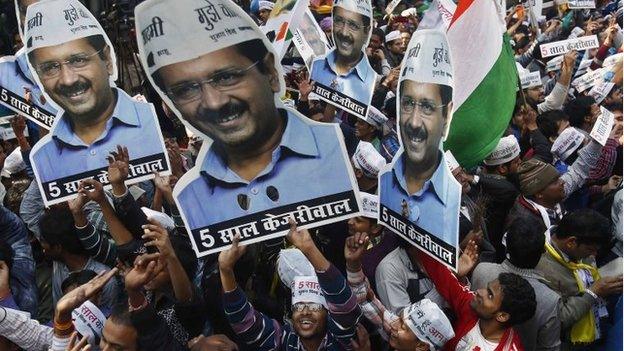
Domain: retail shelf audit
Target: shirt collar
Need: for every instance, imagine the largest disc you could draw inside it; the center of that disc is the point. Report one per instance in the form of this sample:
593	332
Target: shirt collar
125	112
297	138
523	272
437	181
361	69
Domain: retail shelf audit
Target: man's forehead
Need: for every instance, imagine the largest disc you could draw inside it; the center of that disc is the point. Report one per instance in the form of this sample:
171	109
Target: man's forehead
413	88
344	13
203	65
72	47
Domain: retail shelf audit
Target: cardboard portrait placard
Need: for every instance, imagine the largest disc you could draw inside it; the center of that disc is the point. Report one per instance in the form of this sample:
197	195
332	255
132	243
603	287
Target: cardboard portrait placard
308	38
280	20
73	61
426	215
18	90
344	77
261	164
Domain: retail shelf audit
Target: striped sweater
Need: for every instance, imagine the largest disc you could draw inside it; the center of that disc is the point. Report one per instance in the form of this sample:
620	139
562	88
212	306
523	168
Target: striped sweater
263	333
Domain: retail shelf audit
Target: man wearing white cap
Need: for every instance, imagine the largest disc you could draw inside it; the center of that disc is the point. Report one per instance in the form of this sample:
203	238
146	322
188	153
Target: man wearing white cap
370	128
325	312
396	48
419	186
264	11
75	64
499	180
346	68
367	162
262	156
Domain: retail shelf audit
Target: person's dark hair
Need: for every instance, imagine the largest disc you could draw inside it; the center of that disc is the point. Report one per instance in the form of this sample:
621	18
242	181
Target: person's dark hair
578	108
587	225
121	315
547	122
389	108
254	50
525	242
58	228
522	43
518	298
78	278
380	33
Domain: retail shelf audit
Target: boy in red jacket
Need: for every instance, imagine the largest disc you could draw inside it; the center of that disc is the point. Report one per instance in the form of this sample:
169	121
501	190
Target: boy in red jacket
484	319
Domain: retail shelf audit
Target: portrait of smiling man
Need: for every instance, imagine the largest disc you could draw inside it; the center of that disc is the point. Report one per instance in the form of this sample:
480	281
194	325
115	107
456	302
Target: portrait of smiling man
418	185
346	69
75	64
264	160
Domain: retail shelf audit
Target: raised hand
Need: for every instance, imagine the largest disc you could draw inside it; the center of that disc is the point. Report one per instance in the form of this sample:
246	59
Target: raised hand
355	246
229	257
362	340
78	296
95	193
300	238
78	345
146	267
163	183
118	168
468	260
303	85
157	236
18	124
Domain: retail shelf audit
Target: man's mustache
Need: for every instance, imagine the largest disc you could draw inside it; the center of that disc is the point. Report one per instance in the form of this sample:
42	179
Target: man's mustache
67	90
226	110
416	133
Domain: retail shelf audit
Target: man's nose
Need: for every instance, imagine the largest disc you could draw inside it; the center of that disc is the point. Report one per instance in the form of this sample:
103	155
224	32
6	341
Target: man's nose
213	99
67	76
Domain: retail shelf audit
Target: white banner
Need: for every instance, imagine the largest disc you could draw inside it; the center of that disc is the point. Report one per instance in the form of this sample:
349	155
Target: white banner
600	91
588	80
554	64
563	46
531	80
391	6
581	4
602	127
370	205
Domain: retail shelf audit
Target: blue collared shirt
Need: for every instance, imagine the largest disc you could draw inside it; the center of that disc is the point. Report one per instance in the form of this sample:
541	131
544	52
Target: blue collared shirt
308	164
16	76
133	124
434	208
358	82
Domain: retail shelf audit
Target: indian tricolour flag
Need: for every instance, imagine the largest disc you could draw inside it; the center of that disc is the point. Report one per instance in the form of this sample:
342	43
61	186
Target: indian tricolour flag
485	80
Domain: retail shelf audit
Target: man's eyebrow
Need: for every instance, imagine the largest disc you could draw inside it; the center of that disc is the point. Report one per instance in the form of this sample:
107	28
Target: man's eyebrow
489	290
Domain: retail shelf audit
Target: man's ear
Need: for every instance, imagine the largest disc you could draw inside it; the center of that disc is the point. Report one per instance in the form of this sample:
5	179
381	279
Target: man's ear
108	60
271	71
502	317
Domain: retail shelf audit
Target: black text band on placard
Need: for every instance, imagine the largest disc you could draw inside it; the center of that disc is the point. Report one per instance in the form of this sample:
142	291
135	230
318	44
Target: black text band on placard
270	223
418	237
337	98
21	106
140	167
